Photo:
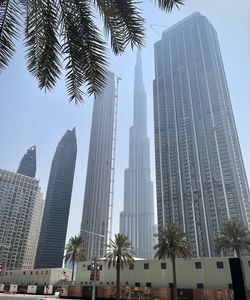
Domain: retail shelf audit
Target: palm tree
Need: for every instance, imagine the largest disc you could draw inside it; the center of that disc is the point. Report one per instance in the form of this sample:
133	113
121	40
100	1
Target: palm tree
234	236
172	243
64	33
75	252
119	255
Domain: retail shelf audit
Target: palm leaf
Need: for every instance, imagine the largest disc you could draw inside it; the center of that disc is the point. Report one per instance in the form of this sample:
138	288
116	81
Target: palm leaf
9	25
122	22
86	60
43	48
168	5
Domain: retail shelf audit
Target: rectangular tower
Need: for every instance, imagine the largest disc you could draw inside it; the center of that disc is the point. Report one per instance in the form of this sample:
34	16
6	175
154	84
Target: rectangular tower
21	209
201	180
96	215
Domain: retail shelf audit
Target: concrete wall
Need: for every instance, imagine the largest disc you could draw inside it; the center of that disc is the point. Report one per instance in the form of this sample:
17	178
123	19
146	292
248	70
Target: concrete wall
188	275
36	276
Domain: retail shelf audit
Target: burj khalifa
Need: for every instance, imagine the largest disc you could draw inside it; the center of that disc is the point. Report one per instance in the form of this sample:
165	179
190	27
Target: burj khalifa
137	217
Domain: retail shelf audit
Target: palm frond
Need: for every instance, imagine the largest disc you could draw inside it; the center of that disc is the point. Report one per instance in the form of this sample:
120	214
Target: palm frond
168	5
122	22
43	48
86	60
75	251
9	26
172	243
234	237
119	249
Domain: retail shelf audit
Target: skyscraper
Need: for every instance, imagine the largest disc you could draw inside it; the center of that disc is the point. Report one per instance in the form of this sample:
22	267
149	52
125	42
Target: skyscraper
27	164
137	217
200	175
57	204
97	207
21	209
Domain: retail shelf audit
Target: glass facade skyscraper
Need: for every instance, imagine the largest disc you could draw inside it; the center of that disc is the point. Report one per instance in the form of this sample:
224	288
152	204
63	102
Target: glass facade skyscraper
137	217
27	164
200	175
97	206
57	204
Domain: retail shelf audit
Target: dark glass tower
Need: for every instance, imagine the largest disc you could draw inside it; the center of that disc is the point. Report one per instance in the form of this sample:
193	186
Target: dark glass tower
57	204
200	175
137	217
27	164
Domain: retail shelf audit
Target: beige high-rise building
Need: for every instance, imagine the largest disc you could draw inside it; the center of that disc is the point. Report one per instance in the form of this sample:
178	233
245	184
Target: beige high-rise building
21	209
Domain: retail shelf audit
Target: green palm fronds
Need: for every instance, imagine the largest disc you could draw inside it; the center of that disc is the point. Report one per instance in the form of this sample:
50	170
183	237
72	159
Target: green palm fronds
64	33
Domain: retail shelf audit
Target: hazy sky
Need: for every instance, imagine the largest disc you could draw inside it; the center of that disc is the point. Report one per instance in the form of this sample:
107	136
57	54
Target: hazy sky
29	116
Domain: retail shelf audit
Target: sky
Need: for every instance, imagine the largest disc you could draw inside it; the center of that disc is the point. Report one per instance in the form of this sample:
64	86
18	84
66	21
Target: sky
29	116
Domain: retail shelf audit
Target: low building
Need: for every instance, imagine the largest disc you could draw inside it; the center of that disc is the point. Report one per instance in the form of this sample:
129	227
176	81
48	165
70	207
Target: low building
37	276
195	273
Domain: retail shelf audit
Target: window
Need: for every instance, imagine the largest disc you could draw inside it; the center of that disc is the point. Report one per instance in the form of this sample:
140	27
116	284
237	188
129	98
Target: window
198	265
31	272
131	267
47	272
126	282
163	266
100	267
137	284
219	265
112	282
36	272
249	263
23	273
146	266
86	282
81	282
200	285
148	284
89	267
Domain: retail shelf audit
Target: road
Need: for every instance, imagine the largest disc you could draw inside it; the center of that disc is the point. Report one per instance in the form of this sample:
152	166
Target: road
26	297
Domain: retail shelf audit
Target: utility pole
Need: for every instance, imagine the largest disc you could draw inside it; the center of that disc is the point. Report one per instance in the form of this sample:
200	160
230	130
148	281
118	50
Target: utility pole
95	274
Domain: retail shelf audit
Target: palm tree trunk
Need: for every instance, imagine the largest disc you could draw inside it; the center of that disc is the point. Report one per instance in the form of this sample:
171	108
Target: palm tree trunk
118	271
73	271
174	279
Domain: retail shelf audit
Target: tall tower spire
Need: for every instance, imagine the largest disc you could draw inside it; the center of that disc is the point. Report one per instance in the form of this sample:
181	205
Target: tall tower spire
137	218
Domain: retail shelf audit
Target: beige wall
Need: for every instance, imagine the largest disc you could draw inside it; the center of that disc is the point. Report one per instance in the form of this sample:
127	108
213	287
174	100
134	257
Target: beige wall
36	276
187	274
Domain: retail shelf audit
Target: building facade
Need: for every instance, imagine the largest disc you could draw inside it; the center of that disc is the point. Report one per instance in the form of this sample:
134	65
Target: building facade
21	209
97	207
27	164
57	204
194	273
137	217
200	175
37	277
